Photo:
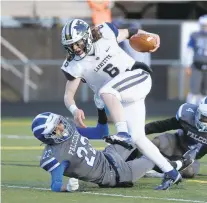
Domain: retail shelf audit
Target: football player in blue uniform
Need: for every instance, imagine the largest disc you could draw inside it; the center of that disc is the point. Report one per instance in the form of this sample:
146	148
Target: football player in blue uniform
190	139
197	63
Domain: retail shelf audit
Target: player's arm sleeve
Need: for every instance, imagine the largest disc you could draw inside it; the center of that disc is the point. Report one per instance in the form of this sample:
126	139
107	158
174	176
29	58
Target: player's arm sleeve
188	60
191	42
100	130
162	126
68	76
57	177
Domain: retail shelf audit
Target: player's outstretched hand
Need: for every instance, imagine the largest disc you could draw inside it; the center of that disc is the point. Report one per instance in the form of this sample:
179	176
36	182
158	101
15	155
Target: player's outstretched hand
79	117
157	38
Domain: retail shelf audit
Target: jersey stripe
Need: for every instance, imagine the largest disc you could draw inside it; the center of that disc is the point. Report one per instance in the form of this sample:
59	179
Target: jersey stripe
179	113
113	28
51	165
55	166
128	79
46	162
38	127
132	84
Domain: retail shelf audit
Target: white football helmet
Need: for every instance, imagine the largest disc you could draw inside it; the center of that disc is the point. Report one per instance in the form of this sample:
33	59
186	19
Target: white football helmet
77	32
201	116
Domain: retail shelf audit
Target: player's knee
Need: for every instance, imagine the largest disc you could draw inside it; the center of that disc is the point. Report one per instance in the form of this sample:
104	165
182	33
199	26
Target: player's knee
109	90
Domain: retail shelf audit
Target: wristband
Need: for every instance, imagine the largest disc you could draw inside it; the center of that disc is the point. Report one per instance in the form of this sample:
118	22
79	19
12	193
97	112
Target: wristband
132	31
73	108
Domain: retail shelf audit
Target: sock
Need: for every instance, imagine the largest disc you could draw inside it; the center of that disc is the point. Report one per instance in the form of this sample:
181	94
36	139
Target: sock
152	152
179	164
121	127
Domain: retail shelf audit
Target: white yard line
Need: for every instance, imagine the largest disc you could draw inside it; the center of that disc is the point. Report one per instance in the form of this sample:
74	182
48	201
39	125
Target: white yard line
110	195
19	137
26	137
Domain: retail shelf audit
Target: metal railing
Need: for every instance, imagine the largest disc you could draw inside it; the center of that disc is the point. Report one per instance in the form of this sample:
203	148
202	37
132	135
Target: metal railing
9	67
27	66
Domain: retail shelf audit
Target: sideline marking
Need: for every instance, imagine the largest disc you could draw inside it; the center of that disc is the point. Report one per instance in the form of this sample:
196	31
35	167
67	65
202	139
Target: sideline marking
25	137
110	195
31	148
197	181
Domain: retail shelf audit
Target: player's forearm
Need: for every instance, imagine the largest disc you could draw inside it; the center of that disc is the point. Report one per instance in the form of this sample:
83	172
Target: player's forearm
162	126
188	59
59	187
123	34
69	100
70	90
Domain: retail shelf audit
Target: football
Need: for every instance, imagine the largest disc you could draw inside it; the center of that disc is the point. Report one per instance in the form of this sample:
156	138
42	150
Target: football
142	42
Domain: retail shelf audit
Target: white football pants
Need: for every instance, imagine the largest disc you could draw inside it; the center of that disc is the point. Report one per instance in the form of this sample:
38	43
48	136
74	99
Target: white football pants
131	88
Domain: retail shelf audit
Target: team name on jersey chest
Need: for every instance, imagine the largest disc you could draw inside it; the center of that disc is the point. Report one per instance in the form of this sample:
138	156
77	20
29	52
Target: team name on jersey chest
197	137
73	145
103	62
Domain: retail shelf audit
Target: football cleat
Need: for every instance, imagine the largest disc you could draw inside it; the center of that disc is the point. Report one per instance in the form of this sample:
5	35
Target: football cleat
122	138
170	180
186	163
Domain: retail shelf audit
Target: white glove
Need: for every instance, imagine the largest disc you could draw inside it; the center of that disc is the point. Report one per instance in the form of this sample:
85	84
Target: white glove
98	102
73	184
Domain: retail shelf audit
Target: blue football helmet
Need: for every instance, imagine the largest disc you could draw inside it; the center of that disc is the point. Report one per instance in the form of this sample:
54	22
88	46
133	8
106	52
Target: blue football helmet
201	116
52	128
203	23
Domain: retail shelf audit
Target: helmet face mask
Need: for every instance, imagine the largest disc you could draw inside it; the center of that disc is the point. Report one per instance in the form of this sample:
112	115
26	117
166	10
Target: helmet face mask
201	116
61	131
52	128
77	39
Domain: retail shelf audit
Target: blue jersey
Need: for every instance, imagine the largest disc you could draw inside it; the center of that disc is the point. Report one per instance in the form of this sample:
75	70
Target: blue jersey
190	135
198	42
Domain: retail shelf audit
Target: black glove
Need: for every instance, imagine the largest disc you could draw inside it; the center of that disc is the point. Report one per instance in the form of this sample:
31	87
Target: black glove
143	66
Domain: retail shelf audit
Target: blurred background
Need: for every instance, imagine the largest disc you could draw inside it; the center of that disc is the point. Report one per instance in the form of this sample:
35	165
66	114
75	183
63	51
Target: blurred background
31	52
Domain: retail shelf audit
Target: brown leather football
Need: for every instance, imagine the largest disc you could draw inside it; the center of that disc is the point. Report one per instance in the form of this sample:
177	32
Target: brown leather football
142	42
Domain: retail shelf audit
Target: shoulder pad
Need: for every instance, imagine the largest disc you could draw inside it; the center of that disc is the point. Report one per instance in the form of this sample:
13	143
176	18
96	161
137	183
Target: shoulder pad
106	31
72	68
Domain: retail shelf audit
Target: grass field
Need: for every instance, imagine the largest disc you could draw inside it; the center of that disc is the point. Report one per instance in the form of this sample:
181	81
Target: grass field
24	181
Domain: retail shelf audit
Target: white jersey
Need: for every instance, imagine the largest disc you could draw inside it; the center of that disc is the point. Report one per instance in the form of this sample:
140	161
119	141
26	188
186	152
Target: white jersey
108	62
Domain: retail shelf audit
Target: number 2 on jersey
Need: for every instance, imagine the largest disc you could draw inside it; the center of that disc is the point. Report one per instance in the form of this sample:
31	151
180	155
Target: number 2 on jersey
81	151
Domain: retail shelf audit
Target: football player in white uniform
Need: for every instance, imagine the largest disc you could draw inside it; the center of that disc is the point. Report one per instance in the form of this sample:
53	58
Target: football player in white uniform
95	57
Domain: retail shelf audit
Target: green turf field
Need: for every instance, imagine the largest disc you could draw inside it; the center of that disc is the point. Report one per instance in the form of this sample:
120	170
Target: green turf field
23	181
